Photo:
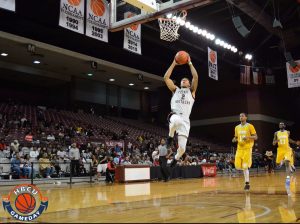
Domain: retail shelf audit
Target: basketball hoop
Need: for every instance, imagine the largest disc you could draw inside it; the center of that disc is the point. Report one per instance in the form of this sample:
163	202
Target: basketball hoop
169	26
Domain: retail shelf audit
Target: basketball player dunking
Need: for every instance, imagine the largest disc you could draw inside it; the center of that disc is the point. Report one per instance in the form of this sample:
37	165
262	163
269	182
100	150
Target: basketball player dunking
181	106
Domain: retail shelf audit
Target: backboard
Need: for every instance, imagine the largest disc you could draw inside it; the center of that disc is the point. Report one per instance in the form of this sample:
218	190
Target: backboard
139	15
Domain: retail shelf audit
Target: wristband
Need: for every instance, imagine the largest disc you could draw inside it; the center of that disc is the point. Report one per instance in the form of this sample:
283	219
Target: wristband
190	63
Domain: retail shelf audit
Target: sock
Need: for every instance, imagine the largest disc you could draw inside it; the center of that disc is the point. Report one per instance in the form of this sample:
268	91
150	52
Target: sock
182	140
246	175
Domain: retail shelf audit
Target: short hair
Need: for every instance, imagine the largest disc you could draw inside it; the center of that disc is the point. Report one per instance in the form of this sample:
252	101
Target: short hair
187	79
246	115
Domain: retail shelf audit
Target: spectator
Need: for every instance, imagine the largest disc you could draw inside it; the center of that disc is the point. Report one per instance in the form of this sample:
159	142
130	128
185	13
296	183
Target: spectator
269	164
194	162
27	169
74	156
16	164
2	145
126	161
45	166
14	146
110	171
56	163
51	137
34	153
29	137
102	165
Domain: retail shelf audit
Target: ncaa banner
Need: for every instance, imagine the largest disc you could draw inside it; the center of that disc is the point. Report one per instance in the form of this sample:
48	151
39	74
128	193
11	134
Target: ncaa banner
293	75
212	64
8	5
97	19
132	36
72	15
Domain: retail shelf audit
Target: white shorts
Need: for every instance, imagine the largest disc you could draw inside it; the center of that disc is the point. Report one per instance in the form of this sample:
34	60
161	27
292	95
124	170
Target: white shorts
182	124
101	168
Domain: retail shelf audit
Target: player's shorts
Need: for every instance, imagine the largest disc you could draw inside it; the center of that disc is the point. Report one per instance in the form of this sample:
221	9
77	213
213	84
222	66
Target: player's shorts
283	154
182	124
101	168
243	158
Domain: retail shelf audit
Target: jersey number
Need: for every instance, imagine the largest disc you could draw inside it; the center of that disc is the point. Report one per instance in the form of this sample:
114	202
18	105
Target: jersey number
282	141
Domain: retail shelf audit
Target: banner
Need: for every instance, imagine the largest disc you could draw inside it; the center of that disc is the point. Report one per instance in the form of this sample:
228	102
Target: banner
97	19
132	36
8	4
212	64
245	74
293	75
72	15
257	75
113	143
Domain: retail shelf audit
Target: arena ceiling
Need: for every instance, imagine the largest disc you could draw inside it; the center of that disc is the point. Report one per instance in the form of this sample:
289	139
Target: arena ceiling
40	22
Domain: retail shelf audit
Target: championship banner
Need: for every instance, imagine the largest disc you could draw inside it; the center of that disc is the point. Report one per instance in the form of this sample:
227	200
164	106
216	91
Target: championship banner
257	75
72	15
97	19
132	36
293	75
8	5
212	64
245	74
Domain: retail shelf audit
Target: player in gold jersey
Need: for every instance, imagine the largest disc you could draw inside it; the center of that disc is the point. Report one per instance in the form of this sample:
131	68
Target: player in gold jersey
284	151
244	135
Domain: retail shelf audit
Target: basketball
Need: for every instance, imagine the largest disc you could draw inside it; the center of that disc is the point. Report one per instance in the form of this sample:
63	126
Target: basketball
98	7
25	203
74	2
182	57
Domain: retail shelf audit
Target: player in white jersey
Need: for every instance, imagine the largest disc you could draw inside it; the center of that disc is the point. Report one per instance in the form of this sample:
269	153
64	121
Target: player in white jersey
181	106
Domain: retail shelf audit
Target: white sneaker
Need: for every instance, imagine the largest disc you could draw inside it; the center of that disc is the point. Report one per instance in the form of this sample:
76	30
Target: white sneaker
49	177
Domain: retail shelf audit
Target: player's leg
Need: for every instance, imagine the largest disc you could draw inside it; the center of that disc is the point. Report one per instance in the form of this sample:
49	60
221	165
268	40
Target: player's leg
279	157
174	121
183	129
293	169
246	164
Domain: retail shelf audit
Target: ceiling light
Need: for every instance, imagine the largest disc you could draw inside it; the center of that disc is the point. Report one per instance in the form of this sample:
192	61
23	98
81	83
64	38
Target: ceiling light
182	22
131	84
36	62
169	15
187	24
4	54
217	41
89	74
111	80
212	37
146	87
195	30
191	27
248	56
200	31
204	32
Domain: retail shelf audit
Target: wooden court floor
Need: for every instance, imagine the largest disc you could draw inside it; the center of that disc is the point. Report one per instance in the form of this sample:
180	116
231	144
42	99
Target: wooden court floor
219	199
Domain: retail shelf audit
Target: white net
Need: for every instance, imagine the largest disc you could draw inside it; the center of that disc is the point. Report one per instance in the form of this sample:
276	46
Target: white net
169	27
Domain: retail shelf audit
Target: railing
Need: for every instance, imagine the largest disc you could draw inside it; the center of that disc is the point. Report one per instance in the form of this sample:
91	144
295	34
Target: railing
7	172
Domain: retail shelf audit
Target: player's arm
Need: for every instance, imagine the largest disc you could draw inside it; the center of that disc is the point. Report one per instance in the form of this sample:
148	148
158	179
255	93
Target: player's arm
253	134
195	78
275	139
170	84
235	138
